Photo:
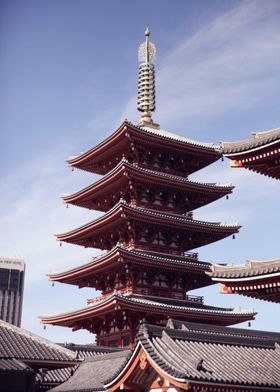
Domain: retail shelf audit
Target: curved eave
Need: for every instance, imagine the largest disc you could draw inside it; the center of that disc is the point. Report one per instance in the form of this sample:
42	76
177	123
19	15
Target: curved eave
122	211
121	138
120	255
252	269
259	279
124	170
109	304
132	363
259	141
262	158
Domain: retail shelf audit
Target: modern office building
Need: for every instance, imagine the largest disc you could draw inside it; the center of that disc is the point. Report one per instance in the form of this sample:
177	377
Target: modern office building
12	272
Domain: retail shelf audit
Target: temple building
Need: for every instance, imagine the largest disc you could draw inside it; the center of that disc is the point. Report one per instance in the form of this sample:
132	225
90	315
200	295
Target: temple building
25	358
258	279
184	356
147	230
260	154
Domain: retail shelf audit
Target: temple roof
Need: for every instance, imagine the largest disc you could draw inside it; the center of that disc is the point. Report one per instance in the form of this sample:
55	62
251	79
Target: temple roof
120	173
119	141
151	305
261	154
14	365
82	351
249	269
17	343
172	136
256	279
118	254
259	139
189	354
122	211
92	372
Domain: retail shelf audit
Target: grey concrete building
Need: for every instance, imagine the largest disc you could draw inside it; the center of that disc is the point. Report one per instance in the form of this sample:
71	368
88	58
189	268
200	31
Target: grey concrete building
12	272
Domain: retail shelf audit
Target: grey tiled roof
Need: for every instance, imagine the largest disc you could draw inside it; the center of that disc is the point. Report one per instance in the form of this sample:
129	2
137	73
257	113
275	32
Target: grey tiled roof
250	268
14	365
82	351
169	135
259	139
203	353
92	372
20	344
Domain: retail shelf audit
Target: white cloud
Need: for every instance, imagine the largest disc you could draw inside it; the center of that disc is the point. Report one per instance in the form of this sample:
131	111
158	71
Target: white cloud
33	213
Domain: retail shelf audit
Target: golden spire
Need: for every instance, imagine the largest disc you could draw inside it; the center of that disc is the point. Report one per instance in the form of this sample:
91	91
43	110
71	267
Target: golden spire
146	82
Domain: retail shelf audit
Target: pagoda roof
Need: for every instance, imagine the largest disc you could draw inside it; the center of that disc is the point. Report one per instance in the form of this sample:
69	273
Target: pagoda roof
92	159
202	358
123	211
123	170
260	154
160	306
256	278
119	254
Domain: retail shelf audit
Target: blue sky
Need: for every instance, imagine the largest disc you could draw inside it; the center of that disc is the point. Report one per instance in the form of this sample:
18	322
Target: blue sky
68	76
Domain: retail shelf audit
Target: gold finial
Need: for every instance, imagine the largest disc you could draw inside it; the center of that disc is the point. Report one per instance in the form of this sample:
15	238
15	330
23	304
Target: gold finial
146	81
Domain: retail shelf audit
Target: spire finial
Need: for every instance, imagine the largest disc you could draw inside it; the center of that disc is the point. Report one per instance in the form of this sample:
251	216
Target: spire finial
146	82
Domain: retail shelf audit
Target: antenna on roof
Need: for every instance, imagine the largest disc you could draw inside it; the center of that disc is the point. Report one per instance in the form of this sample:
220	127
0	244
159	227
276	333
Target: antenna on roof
146	102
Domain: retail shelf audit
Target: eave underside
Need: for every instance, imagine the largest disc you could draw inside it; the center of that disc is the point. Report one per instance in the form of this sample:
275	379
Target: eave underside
113	228
263	159
127	138
118	257
266	289
144	307
131	179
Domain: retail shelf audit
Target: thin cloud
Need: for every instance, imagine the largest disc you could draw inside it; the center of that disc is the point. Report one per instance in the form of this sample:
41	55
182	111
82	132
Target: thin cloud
231	63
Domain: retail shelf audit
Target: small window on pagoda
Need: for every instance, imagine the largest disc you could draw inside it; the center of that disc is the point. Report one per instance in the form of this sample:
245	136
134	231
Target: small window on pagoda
126	341
113	343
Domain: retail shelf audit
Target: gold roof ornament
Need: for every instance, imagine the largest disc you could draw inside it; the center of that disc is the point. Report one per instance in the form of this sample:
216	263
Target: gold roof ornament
146	102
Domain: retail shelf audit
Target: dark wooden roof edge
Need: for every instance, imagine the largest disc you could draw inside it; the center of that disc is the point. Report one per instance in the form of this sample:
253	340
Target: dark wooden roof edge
122	204
259	139
158	134
250	268
226	188
187	261
162	304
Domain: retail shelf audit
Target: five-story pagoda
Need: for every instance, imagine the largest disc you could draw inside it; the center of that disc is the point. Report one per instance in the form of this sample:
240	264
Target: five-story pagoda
147	228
